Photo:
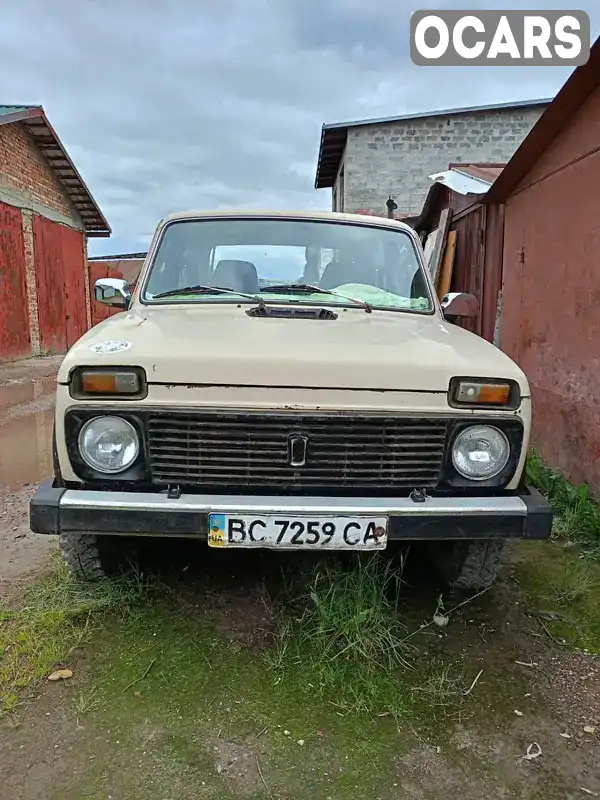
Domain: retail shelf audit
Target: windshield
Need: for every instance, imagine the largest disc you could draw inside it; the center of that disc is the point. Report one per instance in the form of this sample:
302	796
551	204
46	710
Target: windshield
319	261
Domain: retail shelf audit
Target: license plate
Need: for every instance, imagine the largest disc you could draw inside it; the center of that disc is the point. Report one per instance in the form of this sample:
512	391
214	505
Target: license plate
297	533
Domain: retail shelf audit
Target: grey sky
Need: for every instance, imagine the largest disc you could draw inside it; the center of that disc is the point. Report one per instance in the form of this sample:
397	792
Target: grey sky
165	106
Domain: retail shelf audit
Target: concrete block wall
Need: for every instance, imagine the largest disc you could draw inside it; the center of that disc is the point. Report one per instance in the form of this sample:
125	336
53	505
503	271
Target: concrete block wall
396	158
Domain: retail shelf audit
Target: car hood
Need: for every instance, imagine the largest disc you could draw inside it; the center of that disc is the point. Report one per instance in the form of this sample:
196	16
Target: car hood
219	344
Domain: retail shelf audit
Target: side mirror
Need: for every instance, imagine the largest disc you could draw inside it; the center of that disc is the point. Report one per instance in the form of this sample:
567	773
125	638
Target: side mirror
112	292
460	304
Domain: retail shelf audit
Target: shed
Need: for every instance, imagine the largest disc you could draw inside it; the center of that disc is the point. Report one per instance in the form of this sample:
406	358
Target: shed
551	272
46	214
457	195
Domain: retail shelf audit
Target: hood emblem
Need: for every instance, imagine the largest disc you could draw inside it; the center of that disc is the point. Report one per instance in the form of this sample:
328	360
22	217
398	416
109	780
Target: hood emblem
297	448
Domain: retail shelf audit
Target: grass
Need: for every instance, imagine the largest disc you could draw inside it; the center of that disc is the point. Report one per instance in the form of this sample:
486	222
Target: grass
351	612
571	583
158	695
202	695
566	577
53	618
87	701
558	581
577	513
348	635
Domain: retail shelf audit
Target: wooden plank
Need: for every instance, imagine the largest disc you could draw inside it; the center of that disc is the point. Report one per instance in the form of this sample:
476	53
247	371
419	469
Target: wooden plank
428	244
438	247
445	276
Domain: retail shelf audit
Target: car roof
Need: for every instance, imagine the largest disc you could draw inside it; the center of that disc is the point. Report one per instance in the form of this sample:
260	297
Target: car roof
327	216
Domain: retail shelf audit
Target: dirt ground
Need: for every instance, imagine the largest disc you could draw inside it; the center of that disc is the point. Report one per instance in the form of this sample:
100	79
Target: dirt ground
49	752
26	408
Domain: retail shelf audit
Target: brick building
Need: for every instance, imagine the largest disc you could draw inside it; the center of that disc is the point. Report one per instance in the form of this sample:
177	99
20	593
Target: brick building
365	162
46	215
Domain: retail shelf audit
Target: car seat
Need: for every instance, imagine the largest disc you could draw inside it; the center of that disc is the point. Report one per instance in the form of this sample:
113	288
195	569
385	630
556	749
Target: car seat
337	273
241	276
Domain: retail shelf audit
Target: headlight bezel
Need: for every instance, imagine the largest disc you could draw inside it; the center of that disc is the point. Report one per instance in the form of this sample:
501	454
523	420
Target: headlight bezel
76	418
513	430
85	456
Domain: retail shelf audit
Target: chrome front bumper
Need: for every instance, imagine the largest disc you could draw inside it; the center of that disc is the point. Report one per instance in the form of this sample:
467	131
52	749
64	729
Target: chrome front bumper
54	510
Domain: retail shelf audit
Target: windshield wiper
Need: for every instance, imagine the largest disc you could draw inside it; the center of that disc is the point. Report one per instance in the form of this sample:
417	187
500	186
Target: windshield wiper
309	288
202	288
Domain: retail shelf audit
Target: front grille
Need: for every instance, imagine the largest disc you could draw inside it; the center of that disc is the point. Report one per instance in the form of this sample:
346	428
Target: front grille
251	452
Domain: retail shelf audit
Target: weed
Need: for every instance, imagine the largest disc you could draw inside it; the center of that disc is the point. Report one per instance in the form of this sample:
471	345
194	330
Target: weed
352	613
571	583
85	702
441	686
555	575
55	616
577	513
345	636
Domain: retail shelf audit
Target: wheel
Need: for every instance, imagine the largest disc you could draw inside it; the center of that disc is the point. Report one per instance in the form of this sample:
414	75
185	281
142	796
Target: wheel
471	564
88	556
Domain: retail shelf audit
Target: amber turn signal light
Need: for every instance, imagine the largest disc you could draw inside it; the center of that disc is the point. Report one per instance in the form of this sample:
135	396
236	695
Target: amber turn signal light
96	382
485	394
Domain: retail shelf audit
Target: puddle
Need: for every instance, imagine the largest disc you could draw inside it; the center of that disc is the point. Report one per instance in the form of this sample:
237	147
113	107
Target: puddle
16	393
26	449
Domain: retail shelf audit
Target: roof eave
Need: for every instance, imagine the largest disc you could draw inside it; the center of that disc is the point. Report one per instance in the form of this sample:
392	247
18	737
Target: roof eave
96	224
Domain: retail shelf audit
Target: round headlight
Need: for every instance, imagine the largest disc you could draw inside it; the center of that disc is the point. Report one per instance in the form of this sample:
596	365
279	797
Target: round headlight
109	444
480	452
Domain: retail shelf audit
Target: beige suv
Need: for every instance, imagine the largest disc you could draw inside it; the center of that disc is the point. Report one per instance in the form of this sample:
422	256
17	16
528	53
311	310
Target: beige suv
289	380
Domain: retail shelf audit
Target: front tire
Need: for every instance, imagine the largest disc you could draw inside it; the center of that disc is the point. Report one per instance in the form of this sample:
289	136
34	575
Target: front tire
471	564
87	556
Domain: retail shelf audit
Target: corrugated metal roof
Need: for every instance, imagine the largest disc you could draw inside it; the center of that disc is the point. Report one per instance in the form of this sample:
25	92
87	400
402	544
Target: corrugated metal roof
460	182
45	137
468	178
579	86
334	135
440	112
475	179
484	172
14	109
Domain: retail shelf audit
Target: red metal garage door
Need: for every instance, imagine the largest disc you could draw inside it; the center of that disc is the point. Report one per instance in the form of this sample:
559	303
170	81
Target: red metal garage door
60	284
14	312
50	284
74	272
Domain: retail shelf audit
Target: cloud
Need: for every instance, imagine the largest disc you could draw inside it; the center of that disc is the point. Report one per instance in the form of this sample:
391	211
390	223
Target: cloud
195	103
